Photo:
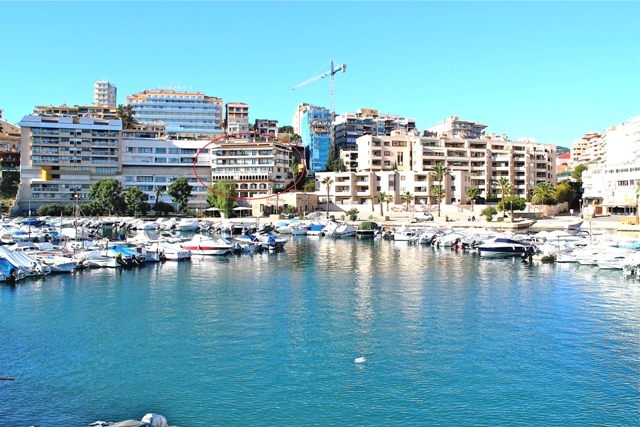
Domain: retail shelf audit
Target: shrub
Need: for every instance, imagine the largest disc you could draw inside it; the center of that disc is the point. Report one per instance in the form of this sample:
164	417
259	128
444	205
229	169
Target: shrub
353	214
488	212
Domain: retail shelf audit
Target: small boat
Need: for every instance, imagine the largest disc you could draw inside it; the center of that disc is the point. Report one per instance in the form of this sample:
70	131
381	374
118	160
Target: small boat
203	245
187	224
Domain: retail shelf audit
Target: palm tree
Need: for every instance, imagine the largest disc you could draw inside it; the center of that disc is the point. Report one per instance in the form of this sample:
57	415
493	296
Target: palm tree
406	198
373	202
328	182
437	191
505	189
382	197
543	192
438	172
158	192
471	193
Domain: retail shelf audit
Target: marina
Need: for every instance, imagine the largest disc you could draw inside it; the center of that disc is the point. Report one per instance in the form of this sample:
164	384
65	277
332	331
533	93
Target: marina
326	331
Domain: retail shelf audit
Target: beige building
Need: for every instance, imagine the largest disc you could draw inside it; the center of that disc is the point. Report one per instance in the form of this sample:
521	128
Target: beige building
258	167
236	117
101	112
453	127
65	155
402	162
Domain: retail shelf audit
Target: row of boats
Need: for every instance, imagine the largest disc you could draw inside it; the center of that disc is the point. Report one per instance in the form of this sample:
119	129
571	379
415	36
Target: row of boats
56	246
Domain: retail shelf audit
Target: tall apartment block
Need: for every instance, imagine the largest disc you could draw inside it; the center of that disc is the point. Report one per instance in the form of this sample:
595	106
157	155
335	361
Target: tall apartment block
313	124
236	117
184	114
350	126
104	93
65	155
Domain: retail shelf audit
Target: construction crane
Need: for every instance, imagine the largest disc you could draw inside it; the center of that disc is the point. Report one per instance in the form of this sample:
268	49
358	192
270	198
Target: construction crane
335	68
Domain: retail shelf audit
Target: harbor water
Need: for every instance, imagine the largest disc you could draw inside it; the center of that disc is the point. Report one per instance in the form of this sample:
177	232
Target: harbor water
327	332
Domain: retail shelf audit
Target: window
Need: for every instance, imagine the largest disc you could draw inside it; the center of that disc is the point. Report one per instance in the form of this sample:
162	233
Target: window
144	150
174	151
160	160
161	151
387	153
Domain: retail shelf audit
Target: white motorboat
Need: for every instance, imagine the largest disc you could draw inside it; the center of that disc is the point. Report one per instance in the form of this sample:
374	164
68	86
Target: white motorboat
502	247
187	224
58	264
344	231
169	251
203	245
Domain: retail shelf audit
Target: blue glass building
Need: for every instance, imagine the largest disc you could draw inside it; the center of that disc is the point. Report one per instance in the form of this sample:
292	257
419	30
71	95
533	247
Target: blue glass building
316	136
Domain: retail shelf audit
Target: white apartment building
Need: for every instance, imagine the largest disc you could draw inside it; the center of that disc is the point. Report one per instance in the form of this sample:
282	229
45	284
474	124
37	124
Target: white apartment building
453	127
611	181
348	127
104	93
65	155
236	117
402	162
184	114
151	162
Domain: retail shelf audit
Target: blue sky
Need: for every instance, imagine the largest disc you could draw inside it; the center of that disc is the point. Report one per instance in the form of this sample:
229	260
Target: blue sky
551	71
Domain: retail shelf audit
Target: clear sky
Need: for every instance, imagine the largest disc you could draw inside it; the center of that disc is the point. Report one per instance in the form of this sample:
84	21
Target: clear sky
547	70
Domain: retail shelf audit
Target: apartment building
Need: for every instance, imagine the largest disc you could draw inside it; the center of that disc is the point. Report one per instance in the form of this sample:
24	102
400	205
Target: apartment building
266	127
65	155
402	162
151	162
236	117
258	167
611	182
184	114
453	127
104	93
100	112
348	127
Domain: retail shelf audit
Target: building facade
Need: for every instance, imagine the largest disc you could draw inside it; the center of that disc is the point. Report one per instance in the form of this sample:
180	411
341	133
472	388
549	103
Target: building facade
258	167
184	114
315	131
453	127
236	117
348	127
65	155
266	127
104	93
100	112
151	163
402	162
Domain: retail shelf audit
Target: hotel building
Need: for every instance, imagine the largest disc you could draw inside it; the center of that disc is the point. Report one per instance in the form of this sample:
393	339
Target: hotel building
184	114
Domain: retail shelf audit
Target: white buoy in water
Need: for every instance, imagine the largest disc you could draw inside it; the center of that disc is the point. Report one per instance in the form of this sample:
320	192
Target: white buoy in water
360	360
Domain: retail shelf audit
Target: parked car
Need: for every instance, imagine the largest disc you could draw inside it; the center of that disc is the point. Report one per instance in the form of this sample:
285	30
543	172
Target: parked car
423	216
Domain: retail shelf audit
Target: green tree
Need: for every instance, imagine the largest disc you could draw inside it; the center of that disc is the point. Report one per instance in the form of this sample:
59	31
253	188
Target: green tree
328	182
309	186
163	208
406	198
543	194
285	129
438	172
9	184
472	194
180	192
294	167
353	214
505	189
564	192
125	113
332	157
108	193
577	172
135	200
224	201
373	202
513	203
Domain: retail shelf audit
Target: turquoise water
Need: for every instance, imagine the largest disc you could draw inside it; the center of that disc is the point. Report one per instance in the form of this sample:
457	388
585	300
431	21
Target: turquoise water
270	339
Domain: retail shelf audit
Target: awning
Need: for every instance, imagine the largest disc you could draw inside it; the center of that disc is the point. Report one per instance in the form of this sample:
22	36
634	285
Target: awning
240	208
211	209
